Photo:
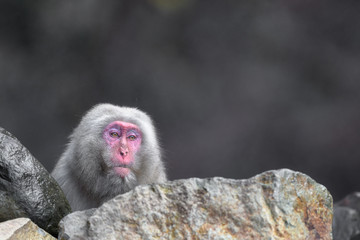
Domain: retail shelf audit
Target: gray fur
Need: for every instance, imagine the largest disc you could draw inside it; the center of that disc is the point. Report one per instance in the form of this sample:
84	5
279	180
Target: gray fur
82	170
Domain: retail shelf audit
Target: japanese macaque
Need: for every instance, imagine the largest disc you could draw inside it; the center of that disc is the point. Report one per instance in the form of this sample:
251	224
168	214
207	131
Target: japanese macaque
112	150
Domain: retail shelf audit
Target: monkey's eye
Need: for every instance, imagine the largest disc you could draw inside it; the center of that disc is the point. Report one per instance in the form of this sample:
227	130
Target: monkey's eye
132	137
114	134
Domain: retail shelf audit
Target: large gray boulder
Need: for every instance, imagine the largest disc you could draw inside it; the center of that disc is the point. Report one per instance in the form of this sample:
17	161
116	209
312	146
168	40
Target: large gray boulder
279	204
346	222
26	188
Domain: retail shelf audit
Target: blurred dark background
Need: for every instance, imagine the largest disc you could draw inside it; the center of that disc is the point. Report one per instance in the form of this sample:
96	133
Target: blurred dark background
235	87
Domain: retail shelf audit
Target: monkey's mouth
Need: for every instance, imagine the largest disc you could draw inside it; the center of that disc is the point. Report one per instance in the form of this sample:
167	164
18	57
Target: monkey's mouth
122	171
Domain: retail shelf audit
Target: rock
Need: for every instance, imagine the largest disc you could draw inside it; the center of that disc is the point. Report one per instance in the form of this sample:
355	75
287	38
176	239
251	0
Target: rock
26	188
277	205
75	226
9	209
346	222
357	237
22	228
352	201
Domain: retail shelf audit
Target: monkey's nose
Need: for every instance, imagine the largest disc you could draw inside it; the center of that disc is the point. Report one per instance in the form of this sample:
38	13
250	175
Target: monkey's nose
124	152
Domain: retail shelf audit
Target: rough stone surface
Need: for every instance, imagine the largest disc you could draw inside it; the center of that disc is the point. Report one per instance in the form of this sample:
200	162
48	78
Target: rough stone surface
22	228
346	223
26	188
75	226
279	204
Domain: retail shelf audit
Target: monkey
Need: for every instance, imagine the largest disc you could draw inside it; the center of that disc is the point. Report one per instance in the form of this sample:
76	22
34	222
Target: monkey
110	152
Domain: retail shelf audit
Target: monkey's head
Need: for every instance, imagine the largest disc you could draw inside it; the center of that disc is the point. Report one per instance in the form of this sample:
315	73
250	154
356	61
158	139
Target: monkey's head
115	148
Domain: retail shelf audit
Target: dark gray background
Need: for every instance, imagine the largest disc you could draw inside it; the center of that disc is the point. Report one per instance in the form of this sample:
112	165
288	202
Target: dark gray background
235	87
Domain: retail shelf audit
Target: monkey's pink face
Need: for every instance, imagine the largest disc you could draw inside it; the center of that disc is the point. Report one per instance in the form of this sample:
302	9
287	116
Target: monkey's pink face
124	140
